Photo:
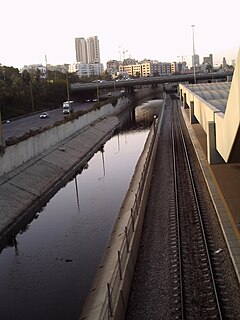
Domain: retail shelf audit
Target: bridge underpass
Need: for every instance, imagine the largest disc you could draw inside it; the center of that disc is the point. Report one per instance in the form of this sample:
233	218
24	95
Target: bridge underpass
130	84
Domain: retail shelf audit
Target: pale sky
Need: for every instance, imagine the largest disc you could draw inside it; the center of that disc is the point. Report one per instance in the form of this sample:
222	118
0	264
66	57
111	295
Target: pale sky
153	29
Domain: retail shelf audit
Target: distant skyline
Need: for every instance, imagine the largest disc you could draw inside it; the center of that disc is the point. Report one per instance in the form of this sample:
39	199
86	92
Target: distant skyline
31	30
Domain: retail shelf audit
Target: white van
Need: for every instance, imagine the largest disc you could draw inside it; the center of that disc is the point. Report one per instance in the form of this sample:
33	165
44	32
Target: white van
67	107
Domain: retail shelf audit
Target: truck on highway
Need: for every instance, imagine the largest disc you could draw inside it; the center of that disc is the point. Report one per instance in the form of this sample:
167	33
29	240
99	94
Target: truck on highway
68	107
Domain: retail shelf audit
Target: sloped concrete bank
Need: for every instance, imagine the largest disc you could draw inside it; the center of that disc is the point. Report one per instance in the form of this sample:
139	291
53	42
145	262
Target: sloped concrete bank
28	187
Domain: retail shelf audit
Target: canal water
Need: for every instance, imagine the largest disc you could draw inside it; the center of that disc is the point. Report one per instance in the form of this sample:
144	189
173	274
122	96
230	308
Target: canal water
47	271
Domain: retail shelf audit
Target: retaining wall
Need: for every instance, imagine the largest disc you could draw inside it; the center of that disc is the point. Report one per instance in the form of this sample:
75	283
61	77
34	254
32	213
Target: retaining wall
20	153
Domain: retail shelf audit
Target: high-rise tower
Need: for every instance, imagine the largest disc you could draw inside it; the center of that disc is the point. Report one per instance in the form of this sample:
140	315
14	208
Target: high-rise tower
87	51
93	50
81	50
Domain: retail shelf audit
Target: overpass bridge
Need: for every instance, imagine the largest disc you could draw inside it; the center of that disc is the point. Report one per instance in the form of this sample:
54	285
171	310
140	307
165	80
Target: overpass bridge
130	84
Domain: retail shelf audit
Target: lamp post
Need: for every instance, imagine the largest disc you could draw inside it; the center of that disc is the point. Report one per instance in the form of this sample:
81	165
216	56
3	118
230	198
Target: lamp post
68	94
194	70
1	133
97	93
31	92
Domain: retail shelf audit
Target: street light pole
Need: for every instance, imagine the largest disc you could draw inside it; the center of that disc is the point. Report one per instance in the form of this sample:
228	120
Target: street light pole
68	95
97	93
1	133
194	70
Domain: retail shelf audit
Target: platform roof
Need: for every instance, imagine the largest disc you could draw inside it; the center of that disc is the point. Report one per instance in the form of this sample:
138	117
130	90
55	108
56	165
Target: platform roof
215	93
216	106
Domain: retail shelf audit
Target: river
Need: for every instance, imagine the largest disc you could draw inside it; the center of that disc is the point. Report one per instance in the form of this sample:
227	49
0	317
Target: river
47	270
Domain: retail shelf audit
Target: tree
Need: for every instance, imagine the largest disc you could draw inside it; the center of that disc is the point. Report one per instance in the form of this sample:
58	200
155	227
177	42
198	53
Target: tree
209	68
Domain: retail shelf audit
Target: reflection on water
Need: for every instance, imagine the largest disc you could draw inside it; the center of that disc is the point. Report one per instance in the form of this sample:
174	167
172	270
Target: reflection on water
48	271
146	111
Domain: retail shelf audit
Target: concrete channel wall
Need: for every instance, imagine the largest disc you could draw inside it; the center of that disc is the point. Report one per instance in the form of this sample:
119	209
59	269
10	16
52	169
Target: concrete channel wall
26	189
108	296
20	153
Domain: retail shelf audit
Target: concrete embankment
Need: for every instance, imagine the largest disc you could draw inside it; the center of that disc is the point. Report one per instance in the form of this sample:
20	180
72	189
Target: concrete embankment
32	171
27	188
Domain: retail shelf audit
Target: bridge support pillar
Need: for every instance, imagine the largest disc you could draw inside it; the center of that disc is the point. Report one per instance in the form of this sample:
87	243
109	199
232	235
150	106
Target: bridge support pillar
213	155
180	94
193	119
184	101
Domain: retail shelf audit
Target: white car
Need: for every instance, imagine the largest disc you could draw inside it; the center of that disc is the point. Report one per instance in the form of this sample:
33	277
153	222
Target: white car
44	115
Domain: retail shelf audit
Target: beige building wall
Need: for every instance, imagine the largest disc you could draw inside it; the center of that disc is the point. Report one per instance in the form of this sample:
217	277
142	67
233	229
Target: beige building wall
227	125
143	69
146	69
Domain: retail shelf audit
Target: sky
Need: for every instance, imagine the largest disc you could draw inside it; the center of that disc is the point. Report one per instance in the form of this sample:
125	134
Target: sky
36	31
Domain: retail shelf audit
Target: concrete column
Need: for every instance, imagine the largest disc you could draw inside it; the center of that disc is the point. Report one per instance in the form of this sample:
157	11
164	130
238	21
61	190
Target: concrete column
213	155
180	93
192	116
184	101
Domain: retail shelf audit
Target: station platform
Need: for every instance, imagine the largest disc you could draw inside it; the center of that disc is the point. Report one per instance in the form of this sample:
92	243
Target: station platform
223	181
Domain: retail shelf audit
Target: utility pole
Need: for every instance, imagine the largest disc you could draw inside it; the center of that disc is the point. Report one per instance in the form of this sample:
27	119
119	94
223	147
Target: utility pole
68	95
46	64
124	51
194	63
120	53
31	92
1	134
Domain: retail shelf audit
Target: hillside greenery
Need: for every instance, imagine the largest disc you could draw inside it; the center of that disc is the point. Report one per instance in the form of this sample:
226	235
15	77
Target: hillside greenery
26	92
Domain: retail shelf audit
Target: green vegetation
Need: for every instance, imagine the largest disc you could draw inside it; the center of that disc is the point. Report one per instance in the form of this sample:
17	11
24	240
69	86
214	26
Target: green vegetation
26	92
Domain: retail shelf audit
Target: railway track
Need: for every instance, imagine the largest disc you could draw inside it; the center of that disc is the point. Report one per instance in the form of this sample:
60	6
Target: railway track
196	293
183	269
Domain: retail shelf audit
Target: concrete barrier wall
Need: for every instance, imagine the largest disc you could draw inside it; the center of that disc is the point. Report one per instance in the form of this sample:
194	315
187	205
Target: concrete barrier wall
20	153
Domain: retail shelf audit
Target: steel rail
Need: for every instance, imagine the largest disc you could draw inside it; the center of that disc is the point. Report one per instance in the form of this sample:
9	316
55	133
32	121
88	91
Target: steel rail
199	212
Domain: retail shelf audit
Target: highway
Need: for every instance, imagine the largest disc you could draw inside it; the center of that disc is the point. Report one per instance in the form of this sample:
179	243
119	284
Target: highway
17	127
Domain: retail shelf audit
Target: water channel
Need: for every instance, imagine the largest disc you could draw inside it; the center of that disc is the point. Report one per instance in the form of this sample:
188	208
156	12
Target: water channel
48	269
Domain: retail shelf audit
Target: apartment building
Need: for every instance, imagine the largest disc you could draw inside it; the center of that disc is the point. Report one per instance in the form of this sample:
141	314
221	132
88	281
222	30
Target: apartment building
81	50
142	70
149	68
87	51
88	56
113	67
93	50
89	69
208	60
